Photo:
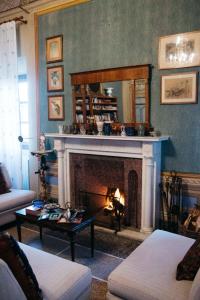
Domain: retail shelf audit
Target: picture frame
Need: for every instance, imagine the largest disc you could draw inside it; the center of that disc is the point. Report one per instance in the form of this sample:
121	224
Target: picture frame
54	49
56	107
55	78
179	88
179	50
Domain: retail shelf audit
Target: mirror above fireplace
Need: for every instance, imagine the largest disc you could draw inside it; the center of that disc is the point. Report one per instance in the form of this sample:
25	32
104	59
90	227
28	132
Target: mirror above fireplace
118	95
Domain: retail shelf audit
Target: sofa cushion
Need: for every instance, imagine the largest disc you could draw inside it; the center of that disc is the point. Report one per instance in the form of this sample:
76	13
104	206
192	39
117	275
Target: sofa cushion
17	261
149	272
189	265
3	186
6	176
58	278
15	198
9	287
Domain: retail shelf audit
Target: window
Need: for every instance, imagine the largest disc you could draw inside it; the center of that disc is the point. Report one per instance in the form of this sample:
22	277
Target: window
24	122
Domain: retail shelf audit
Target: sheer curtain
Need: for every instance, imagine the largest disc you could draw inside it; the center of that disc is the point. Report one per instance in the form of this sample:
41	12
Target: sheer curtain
10	151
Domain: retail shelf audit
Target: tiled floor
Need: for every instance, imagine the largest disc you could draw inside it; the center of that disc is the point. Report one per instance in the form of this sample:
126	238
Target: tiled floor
101	264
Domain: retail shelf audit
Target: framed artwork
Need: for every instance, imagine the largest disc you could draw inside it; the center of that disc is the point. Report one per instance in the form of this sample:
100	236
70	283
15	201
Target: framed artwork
54	49
179	88
179	50
55	78
56	107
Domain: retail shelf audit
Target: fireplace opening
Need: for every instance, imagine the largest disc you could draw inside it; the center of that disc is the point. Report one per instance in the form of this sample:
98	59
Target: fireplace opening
109	187
109	209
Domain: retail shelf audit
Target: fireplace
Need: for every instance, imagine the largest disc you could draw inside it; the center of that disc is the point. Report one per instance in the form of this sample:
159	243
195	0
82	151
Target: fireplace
92	179
137	158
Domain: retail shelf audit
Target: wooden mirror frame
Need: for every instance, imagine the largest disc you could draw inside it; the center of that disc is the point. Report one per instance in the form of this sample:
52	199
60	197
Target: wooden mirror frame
119	74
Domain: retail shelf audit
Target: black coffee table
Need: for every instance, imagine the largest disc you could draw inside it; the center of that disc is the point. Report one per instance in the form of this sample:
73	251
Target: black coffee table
70	228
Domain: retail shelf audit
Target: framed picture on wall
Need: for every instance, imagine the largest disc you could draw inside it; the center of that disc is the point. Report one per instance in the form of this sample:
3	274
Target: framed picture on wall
55	78
54	49
179	88
56	107
179	50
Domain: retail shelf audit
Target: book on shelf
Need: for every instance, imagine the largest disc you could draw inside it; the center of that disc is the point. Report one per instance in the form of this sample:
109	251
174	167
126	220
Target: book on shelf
33	210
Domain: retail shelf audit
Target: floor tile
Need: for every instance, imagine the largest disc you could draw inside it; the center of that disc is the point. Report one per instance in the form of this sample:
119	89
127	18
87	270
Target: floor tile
49	244
101	264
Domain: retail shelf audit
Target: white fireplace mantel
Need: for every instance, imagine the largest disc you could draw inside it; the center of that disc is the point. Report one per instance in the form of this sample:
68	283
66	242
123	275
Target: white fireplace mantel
146	148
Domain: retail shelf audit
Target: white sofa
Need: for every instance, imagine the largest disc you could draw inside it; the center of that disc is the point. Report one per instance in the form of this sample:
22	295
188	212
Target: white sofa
149	272
13	200
58	278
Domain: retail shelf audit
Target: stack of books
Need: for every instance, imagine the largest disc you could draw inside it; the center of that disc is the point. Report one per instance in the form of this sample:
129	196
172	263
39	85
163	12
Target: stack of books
33	210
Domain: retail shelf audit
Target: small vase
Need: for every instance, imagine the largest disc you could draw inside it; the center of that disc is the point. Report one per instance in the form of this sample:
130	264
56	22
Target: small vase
123	132
107	128
100	127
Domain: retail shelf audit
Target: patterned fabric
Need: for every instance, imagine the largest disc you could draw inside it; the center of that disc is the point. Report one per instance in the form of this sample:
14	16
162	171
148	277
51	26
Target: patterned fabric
10	151
17	261
3	186
189	266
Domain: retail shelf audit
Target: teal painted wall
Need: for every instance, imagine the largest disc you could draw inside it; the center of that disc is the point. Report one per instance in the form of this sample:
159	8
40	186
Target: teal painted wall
114	33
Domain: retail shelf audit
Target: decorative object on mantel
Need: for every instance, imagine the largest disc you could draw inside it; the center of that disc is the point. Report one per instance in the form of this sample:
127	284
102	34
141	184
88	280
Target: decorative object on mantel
100	127
171	202
154	133
107	129
179	50
61	129
123	131
141	130
82	129
130	130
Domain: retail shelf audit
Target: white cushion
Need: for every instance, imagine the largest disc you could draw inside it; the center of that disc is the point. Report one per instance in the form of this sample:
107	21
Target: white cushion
58	278
15	198
9	287
149	273
195	290
6	176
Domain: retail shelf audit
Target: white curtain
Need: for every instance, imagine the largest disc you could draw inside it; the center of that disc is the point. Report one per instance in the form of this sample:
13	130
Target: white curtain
10	152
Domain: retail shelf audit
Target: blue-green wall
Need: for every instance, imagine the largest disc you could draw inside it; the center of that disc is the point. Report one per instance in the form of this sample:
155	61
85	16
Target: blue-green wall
114	33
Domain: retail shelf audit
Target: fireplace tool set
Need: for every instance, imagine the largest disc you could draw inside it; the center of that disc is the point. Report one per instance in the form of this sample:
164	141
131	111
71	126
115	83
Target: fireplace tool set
171	202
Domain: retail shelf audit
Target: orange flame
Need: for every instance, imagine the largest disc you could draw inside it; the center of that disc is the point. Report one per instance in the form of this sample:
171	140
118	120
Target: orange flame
119	197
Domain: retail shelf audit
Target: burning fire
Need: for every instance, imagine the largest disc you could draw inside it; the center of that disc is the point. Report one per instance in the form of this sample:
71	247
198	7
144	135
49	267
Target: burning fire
119	197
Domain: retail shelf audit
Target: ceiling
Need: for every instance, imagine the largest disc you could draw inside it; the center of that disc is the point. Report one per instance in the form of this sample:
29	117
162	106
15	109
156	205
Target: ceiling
6	5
